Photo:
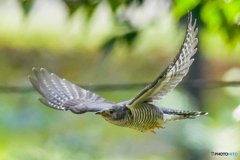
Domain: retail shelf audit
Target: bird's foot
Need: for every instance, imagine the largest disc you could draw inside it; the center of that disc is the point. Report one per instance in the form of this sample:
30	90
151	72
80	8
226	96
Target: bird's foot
152	131
160	127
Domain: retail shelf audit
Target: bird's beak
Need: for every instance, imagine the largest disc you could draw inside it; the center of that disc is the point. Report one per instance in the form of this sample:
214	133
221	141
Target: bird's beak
102	113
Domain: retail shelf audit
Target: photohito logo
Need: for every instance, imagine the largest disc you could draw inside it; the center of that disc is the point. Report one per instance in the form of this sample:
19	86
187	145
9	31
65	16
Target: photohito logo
223	154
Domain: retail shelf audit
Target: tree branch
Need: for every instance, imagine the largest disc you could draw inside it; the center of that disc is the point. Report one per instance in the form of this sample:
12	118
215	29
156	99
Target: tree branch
205	84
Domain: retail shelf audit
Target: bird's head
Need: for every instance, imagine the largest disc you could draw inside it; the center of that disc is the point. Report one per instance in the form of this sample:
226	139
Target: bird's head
114	113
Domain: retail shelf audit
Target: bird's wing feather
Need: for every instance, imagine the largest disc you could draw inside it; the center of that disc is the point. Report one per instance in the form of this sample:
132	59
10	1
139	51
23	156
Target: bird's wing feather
174	73
62	95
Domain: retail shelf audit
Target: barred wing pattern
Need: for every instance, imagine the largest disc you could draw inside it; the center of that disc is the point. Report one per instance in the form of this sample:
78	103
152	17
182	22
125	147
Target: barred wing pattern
62	95
174	73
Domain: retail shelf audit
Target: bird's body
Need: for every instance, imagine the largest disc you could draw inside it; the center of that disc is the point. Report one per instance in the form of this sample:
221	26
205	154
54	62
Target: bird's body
143	118
147	117
138	113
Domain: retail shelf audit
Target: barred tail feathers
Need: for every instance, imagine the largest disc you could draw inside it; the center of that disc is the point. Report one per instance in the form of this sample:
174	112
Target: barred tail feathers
175	115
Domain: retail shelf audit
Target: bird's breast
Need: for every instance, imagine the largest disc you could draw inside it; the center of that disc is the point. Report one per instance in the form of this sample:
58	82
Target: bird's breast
145	117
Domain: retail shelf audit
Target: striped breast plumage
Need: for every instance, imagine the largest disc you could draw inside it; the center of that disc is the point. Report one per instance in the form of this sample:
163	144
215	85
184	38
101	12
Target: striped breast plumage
146	117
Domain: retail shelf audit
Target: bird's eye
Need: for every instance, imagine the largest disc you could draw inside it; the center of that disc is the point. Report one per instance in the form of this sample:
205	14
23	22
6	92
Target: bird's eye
111	111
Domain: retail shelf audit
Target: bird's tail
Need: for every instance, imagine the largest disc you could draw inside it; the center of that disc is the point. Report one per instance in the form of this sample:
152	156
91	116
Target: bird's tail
175	115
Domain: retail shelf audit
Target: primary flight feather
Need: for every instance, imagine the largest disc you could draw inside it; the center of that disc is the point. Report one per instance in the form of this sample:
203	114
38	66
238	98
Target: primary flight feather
138	113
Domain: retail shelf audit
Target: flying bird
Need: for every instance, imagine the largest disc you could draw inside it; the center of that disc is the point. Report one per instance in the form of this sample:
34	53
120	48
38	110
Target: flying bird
138	113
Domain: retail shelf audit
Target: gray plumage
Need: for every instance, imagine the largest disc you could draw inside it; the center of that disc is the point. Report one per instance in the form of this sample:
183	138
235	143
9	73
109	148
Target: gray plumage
138	113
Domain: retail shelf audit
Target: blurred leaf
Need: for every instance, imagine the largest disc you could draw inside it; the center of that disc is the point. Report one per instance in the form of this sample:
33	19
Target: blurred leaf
231	29
231	10
114	4
129	2
217	16
181	8
26	5
73	5
221	19
130	37
90	7
211	16
108	46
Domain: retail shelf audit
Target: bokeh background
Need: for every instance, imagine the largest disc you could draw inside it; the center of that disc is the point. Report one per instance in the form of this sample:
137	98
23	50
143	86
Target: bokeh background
114	48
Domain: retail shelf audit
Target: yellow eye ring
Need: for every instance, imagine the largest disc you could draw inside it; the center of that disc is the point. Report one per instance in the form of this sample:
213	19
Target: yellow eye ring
111	112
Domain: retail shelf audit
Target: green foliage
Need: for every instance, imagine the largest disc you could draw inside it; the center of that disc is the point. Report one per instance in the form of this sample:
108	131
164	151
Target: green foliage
108	46
30	130
221	17
128	37
74	5
117	3
180	7
128	2
114	4
90	6
26	5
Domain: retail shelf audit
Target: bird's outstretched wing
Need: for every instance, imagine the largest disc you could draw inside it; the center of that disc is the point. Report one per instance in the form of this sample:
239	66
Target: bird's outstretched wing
62	95
174	73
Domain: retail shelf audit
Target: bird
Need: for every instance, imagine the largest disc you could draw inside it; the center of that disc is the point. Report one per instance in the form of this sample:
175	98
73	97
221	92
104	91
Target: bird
139	113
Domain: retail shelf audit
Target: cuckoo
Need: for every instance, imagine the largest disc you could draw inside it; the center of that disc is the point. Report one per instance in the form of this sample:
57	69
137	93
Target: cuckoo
139	113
